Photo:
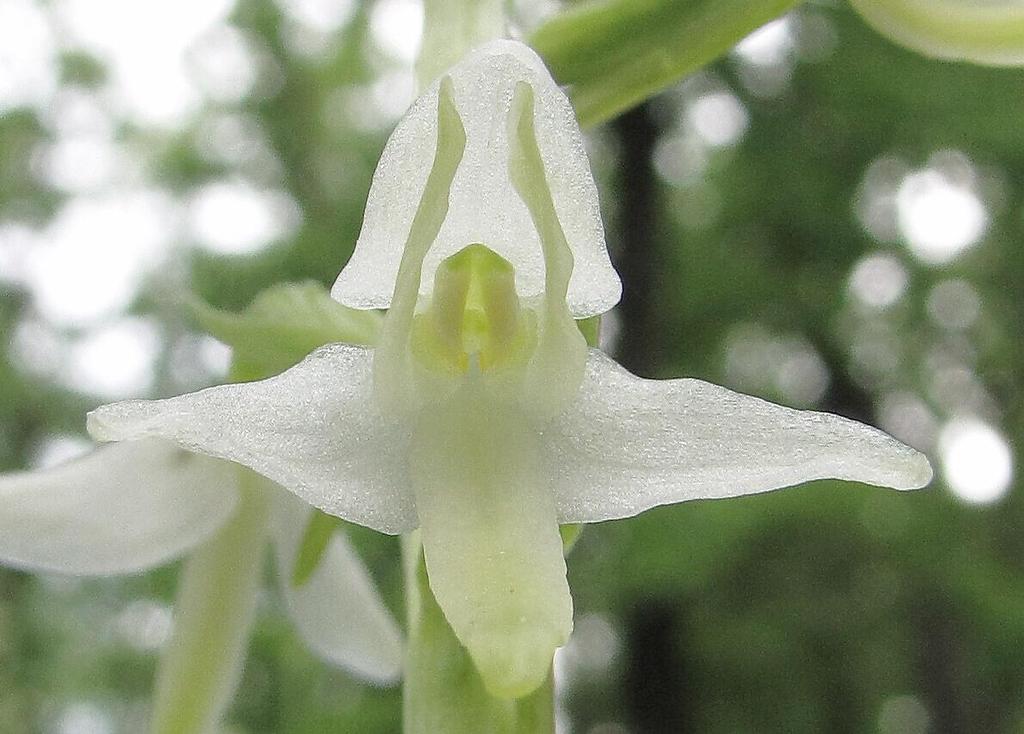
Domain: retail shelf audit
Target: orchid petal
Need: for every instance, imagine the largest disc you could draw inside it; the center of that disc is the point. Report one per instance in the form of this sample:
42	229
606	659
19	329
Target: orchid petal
629	444
557	365
484	207
392	370
314	429
213	614
338	611
987	32
119	509
490	537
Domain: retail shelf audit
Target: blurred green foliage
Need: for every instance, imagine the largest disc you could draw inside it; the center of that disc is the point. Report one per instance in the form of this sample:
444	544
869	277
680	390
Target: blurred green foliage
824	608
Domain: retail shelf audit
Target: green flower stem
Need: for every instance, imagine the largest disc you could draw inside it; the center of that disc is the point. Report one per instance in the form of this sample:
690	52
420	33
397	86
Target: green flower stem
451	28
443	693
616	53
315	540
213	615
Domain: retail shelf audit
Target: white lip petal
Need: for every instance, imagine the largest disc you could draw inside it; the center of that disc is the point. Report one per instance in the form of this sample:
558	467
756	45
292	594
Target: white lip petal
338	611
484	207
119	509
314	429
490	538
987	32
629	444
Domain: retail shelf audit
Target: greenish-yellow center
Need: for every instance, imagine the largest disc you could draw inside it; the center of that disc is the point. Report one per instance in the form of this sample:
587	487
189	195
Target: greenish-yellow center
474	316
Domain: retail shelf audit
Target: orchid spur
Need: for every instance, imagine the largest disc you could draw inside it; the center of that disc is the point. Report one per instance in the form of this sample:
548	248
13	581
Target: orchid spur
128	507
481	417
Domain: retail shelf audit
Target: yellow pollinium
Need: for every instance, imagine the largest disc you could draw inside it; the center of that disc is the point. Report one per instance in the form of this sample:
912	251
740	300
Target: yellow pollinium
474	317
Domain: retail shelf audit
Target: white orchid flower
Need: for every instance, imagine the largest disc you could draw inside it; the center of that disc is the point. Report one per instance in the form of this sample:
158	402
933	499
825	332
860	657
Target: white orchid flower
987	32
131	506
481	417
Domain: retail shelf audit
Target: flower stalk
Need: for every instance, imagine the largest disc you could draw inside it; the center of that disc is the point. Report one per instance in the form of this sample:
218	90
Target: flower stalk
213	615
451	29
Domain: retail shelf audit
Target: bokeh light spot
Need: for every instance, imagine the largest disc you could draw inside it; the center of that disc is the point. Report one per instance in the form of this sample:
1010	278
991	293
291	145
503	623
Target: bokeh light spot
759	362
719	118
954	304
976	461
84	718
28	67
58	448
766	58
81	163
117	360
903	715
93	255
939	216
145	624
769	45
224	64
875	204
236	218
145	45
878	280
396	27
908	418
324	16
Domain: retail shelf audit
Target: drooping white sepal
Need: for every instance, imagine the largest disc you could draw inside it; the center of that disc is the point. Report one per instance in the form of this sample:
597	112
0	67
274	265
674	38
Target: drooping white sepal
315	429
484	207
629	444
337	610
119	509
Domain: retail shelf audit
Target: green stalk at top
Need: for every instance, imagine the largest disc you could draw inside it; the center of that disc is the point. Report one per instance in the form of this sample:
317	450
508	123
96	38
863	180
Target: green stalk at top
451	28
616	53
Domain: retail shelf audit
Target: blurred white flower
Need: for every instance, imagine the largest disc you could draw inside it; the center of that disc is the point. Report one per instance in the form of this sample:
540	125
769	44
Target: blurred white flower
131	506
987	32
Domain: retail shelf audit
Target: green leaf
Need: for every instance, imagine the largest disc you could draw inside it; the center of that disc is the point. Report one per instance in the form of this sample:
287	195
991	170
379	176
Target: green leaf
570	534
591	330
282	325
616	53
314	542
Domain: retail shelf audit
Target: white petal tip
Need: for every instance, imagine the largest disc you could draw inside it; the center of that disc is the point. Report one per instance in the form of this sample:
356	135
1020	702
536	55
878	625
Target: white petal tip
515	664
98	427
894	465
117	421
918	472
379	664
